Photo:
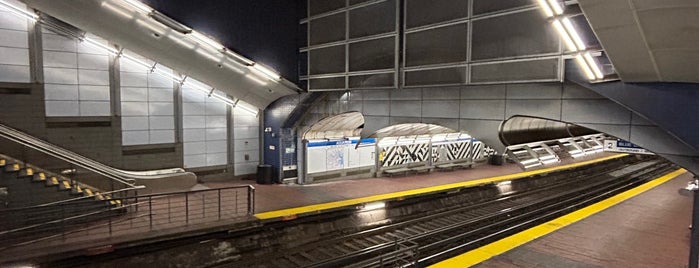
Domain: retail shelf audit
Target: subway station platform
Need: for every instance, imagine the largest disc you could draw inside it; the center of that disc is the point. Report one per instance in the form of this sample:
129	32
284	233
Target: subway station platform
643	227
290	201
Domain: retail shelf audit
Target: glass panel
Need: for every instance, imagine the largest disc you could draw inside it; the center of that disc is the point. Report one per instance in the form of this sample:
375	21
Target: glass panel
373	19
371	81
303	63
322	6
327	83
372	55
327	60
440	45
487	6
546	69
436	77
328	29
420	12
519	34
303	35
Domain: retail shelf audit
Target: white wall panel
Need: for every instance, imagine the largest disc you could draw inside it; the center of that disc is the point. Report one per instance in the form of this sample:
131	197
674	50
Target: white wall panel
14	73
62	108
134	137
161	123
161	136
92	61
94	93
194	122
128	79
93	77
134	108
13	38
134	94
161	108
134	123
61	76
66	64
61	92
192	135
94	108
54	42
11	22
14	56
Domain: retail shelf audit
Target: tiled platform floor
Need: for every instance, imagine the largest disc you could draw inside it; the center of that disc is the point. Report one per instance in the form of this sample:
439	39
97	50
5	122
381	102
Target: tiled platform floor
279	196
649	230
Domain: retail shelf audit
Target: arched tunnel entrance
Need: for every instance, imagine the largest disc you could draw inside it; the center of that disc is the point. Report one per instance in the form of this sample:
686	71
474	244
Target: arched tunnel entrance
534	141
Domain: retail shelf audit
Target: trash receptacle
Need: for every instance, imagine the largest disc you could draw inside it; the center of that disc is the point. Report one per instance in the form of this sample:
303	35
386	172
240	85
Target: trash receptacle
495	160
264	174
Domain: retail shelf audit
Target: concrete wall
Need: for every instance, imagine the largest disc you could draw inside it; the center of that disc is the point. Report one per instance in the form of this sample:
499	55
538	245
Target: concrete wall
479	110
22	106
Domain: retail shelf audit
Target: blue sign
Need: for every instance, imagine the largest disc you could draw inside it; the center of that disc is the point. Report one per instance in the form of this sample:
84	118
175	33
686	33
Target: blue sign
340	142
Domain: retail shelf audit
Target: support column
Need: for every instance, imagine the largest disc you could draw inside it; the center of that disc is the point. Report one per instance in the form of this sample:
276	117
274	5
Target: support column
694	238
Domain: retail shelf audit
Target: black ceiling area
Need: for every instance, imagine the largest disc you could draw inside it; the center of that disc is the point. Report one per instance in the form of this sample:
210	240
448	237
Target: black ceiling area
262	30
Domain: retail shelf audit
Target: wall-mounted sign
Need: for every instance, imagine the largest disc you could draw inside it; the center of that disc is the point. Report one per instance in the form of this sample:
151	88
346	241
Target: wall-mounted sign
622	146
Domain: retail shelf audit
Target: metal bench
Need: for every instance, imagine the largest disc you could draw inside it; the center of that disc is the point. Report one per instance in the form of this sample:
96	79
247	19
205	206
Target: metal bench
421	169
394	171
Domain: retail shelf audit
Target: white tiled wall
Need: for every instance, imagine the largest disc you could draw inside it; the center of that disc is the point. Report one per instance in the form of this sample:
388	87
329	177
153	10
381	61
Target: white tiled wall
76	77
14	48
205	129
147	105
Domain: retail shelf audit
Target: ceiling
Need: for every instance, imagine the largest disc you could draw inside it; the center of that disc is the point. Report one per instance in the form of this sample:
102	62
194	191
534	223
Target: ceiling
132	29
648	40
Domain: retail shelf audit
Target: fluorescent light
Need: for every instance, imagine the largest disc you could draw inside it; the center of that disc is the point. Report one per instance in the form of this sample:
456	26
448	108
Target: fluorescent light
268	72
137	61
22	12
201	88
206	40
571	30
246	61
562	32
556	7
545	7
246	109
97	44
593	64
140	6
583	65
225	99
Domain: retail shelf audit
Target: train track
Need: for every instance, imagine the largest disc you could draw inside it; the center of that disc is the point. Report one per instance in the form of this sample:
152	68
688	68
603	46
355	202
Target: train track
436	236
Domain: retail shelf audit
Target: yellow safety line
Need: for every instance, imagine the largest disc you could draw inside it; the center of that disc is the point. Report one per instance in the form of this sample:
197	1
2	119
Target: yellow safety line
292	213
483	253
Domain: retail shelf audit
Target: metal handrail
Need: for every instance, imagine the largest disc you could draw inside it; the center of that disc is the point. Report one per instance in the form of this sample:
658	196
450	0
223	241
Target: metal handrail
125	177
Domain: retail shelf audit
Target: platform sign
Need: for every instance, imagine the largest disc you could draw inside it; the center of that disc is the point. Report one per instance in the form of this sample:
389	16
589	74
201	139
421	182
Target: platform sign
622	146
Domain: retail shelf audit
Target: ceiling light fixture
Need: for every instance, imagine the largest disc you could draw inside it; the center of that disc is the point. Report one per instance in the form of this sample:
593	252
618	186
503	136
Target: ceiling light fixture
595	68
206	40
266	71
573	33
556	7
563	34
583	65
139	5
19	11
545	7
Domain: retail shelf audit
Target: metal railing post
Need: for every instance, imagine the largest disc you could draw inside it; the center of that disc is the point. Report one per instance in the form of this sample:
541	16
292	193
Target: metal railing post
150	211
251	200
219	203
186	208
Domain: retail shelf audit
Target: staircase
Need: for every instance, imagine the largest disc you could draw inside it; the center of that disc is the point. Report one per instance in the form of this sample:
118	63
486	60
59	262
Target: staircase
37	203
